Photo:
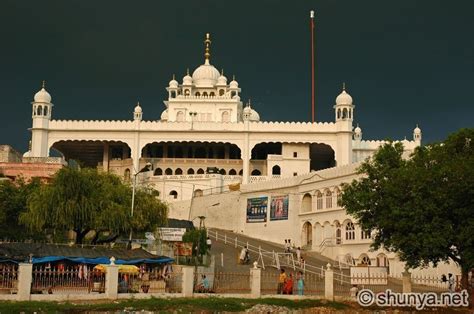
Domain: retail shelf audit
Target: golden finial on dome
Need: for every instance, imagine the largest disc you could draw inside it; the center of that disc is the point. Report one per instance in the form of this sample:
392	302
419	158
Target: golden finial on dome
207	42
44	84
187	71
222	72
233	77
344	86
173	76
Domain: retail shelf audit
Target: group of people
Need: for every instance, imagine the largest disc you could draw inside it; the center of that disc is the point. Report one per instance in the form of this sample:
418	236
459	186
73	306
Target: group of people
286	283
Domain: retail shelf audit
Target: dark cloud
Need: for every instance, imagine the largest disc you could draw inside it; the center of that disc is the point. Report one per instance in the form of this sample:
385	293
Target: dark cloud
404	62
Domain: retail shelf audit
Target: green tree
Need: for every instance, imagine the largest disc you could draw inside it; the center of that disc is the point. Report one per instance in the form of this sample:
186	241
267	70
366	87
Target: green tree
198	238
87	200
423	207
13	201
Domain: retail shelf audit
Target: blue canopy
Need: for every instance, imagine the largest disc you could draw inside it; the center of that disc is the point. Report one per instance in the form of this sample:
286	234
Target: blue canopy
102	260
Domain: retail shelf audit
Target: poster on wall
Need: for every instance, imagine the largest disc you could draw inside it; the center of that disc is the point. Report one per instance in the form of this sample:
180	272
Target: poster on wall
279	207
257	209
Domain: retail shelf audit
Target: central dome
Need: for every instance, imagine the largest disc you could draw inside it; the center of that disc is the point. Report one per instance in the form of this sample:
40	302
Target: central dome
206	75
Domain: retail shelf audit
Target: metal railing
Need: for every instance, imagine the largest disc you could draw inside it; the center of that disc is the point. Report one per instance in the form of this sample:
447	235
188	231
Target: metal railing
9	278
153	280
69	279
273	259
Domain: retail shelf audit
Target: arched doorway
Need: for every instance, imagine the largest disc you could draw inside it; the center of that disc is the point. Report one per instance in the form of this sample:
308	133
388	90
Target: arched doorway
307	234
382	260
306	203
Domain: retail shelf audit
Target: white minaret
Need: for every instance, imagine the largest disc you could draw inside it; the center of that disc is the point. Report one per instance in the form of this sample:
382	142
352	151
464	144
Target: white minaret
137	113
41	115
344	115
417	135
358	134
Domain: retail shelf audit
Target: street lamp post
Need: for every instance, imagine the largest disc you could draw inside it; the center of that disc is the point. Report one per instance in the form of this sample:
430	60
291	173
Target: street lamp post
134	183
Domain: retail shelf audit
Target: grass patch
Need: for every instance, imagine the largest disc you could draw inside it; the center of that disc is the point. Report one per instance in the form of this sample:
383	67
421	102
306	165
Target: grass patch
162	304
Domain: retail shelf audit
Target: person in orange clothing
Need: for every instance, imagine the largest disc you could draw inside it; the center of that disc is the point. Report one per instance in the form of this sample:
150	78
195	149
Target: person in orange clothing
288	288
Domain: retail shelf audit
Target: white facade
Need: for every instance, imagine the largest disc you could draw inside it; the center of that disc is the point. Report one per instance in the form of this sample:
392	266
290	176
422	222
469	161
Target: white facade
205	125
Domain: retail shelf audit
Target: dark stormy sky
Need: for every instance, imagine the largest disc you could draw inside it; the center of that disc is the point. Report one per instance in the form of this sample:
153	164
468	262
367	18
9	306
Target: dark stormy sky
404	62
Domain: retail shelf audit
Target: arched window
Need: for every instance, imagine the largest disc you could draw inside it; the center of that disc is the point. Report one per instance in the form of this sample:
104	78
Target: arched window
319	200
180	116
232	172
174	194
211	94
328	199
158	172
364	260
241	172
365	235
225	116
186	92
190	171
338	233
197	94
350	231
126	175
276	170
338	195
198	193
45	110
338	113
168	171
178	171
232	94
40	111
382	260
222	171
173	94
221	92
256	172
306	203
344	113
200	171
204	94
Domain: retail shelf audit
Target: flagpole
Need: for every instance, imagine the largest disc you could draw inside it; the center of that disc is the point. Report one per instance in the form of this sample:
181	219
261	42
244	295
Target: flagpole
311	15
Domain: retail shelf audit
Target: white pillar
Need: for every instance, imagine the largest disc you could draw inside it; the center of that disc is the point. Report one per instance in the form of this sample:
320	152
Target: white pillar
105	157
25	275
406	281
187	288
111	281
255	282
329	283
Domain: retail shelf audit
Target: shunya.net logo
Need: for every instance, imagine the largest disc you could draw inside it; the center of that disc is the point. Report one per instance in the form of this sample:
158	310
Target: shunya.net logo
366	297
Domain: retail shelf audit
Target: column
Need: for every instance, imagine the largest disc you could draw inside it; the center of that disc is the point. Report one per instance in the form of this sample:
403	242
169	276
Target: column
111	282
25	274
187	281
255	281
406	281
165	150
329	283
105	158
226	151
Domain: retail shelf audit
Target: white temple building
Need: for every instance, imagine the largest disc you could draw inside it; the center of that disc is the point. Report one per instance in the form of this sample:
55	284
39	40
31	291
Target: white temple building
212	155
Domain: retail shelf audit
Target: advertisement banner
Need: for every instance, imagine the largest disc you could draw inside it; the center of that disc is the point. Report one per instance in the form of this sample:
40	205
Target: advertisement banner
183	249
257	209
279	207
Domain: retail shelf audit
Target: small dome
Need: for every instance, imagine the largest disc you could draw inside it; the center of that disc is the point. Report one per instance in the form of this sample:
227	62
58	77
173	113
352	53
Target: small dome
138	109
187	80
42	96
417	130
344	98
234	84
357	130
205	75
173	83
164	115
254	116
222	80
27	154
